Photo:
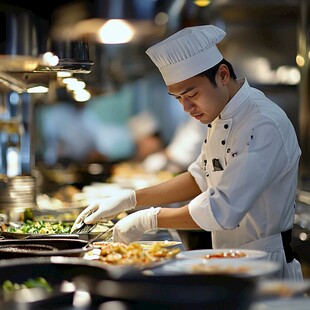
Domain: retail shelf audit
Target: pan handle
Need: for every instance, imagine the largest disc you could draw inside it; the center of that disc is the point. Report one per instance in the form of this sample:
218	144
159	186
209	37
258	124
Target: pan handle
48	236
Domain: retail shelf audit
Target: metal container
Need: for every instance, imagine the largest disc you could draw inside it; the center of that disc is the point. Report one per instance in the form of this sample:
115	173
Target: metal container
17	194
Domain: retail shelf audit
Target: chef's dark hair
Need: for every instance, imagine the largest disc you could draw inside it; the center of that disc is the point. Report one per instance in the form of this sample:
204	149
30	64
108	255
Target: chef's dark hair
210	73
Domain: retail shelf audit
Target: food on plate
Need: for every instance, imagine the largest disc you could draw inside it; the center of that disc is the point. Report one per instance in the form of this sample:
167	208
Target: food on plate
222	254
61	217
115	253
220	269
66	193
67	197
8	287
45	227
283	288
37	227
226	254
133	175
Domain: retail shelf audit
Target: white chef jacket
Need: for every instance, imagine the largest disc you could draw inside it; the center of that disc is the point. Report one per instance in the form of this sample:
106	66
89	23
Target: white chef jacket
247	171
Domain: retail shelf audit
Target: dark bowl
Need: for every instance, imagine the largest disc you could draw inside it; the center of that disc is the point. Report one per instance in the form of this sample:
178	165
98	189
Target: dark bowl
180	292
57	271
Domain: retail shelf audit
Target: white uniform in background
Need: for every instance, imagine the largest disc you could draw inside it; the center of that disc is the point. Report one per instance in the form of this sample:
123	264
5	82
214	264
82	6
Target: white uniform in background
181	151
248	171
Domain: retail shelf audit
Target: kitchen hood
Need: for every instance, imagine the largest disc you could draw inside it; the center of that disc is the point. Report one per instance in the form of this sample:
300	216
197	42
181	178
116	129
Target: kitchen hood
73	57
25	45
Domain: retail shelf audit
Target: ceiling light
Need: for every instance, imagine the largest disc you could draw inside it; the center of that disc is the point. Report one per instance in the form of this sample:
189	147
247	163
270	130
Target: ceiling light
140	20
37	90
202	3
116	31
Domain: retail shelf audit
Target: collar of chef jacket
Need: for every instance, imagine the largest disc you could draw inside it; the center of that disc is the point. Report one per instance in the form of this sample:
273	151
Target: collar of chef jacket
237	101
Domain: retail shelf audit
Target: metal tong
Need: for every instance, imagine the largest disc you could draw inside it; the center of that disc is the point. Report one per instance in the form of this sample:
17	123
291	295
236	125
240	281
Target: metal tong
83	228
104	236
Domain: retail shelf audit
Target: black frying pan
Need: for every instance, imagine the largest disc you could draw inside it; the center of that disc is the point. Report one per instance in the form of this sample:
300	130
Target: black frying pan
43	247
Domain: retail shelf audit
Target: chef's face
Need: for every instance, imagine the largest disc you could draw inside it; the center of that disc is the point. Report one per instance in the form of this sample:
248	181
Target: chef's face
200	98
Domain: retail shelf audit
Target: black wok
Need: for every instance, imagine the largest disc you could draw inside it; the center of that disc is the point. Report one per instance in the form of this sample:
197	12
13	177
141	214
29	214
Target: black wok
42	247
182	292
57	271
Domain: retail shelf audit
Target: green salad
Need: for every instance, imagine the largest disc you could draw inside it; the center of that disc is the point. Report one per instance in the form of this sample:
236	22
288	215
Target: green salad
39	227
8	287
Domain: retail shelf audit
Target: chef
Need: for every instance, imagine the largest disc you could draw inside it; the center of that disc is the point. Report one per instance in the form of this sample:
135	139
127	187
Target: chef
242	186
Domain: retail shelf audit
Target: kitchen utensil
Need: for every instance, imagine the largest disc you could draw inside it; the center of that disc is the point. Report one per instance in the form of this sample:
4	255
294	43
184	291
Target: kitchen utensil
57	271
38	247
13	235
104	236
83	228
180	292
26	248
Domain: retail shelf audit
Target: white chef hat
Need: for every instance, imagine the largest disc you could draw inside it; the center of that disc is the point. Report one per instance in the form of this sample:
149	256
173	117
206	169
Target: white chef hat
142	125
187	53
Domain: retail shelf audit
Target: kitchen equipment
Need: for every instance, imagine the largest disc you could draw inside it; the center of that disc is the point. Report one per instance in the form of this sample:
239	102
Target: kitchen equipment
83	228
43	247
60	232
68	276
17	193
104	235
13	235
223	254
179	291
25	248
253	269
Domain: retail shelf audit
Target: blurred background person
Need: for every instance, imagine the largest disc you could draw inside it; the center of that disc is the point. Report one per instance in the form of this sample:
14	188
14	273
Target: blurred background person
128	124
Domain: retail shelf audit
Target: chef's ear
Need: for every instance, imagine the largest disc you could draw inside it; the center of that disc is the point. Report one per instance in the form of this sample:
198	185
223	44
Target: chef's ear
223	72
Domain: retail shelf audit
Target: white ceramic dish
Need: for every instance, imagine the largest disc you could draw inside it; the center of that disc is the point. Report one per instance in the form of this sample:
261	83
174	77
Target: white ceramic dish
164	243
282	288
240	254
300	303
242	268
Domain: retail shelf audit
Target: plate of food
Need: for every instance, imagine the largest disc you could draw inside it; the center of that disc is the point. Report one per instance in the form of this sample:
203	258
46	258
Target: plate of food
43	229
134	254
29	229
235	267
284	288
242	254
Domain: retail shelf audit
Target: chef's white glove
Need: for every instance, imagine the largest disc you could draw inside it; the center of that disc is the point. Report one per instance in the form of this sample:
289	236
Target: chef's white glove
132	227
107	207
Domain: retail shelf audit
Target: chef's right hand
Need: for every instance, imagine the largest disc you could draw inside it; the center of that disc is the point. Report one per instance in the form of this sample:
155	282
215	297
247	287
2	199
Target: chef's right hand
107	207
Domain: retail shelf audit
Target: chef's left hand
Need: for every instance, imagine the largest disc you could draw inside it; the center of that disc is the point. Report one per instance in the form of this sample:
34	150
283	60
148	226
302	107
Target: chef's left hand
132	227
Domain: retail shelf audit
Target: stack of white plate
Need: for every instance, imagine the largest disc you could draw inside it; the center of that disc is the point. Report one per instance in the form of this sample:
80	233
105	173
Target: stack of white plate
17	192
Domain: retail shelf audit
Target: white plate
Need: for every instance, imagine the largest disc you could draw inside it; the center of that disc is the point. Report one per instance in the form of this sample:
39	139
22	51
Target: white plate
282	288
243	268
164	243
248	254
282	304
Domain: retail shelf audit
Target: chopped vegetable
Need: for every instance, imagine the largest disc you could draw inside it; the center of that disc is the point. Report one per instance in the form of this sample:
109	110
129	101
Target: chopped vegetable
39	227
8	287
